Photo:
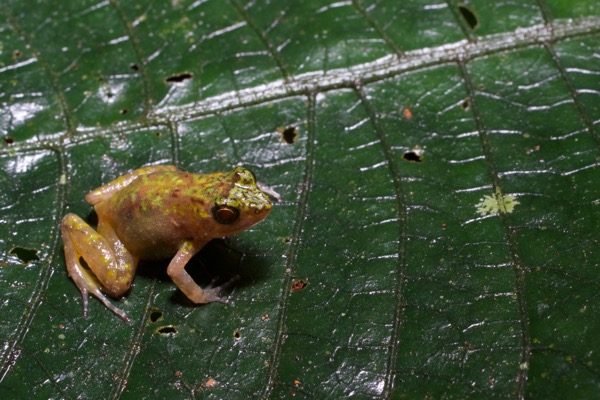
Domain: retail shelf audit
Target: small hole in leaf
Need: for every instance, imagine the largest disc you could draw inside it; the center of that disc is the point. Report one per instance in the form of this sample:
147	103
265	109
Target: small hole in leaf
179	77
167	330
298	284
155	315
289	134
134	67
466	104
468	15
25	255
9	139
412	156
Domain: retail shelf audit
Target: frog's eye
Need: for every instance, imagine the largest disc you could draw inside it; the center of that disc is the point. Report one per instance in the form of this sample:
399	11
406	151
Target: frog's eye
225	214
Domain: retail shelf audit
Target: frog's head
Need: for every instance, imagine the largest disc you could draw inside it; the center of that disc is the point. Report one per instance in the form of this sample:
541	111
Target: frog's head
242	204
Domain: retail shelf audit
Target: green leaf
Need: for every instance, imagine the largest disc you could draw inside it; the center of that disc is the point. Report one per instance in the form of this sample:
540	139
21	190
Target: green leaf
374	276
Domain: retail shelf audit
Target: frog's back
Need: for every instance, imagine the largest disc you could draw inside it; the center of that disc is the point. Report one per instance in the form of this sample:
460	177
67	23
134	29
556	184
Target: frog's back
157	212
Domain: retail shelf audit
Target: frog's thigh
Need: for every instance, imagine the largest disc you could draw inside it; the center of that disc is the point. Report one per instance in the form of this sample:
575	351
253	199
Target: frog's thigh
81	241
105	191
107	272
117	279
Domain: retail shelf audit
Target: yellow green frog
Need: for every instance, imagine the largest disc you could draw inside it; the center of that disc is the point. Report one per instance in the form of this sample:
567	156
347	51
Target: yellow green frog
158	212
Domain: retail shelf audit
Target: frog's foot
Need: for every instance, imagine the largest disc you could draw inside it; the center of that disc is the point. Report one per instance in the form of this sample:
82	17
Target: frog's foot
87	285
118	312
212	292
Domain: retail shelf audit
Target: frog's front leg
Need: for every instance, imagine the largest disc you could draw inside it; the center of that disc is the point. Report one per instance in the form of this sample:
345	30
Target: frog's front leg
184	281
111	267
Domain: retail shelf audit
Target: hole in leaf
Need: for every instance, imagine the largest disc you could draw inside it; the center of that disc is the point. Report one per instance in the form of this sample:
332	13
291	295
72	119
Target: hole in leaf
155	315
167	330
466	104
25	255
179	77
468	15
414	155
289	134
299	284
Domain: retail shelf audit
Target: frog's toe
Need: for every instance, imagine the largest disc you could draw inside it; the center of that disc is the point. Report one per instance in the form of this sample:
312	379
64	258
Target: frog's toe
104	300
86	306
118	312
213	293
87	285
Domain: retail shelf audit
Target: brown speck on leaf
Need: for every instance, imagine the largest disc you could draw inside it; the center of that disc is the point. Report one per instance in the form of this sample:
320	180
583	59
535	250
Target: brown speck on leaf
299	284
210	382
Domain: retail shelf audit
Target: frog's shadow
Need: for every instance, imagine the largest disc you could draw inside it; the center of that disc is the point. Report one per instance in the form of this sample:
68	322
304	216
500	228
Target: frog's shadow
217	260
216	263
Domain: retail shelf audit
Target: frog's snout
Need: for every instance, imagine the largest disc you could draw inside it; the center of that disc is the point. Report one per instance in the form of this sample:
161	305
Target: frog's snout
259	202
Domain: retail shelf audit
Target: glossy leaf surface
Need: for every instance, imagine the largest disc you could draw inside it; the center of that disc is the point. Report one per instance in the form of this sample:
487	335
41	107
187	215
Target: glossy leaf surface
382	125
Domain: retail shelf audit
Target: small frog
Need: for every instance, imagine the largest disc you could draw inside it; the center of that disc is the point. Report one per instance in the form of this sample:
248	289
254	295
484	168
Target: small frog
158	212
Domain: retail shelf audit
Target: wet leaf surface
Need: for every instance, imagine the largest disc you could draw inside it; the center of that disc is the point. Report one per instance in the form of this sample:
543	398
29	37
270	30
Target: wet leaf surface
374	276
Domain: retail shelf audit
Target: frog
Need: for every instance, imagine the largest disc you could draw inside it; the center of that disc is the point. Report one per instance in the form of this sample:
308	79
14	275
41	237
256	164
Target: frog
153	213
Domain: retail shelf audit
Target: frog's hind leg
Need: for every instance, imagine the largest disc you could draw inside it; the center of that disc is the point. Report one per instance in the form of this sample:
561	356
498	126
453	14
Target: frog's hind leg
81	241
